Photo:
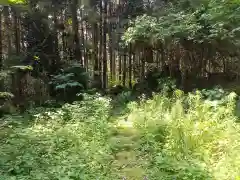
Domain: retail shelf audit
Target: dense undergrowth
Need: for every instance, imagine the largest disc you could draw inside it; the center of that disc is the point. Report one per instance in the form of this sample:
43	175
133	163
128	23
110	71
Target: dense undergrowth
183	137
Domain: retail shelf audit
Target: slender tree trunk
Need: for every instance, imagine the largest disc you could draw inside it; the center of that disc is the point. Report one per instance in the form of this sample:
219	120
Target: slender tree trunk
83	37
77	48
136	65
120	66
97	74
96	68
1	46
17	31
110	43
158	59
22	38
130	67
63	37
114	65
105	79
124	67
56	58
100	55
7	24
143	64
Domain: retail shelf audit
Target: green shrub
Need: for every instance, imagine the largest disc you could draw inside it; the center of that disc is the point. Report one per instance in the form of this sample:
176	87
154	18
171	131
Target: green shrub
68	143
69	83
166	84
214	94
6	105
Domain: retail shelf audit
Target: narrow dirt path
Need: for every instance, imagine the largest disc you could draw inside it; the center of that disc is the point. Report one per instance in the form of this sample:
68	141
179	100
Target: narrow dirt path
128	163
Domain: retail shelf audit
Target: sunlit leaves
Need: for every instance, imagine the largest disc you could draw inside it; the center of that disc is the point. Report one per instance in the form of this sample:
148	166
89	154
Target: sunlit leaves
17	1
69	21
207	21
8	2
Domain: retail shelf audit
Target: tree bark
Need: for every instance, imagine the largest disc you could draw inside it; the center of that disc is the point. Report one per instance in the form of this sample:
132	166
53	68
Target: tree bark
16	31
105	79
7	25
130	66
56	57
100	55
124	67
110	44
77	48
1	45
96	67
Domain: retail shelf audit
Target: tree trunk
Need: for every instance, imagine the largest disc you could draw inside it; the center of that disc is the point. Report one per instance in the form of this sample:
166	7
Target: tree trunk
124	67
63	38
143	60
7	30
17	31
105	79
1	46
83	41
130	67
96	68
100	55
56	58
120	66
77	48
110	43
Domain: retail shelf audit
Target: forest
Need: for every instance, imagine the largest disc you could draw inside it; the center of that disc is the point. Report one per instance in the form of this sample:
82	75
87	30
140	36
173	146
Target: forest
119	89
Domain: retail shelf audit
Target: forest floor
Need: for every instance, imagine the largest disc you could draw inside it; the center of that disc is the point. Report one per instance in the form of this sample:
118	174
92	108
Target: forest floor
155	139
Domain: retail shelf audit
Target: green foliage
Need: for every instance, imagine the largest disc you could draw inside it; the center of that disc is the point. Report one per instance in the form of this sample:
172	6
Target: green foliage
188	144
166	84
6	95
22	68
17	1
10	2
68	143
214	94
6	105
69	83
157	138
123	98
210	22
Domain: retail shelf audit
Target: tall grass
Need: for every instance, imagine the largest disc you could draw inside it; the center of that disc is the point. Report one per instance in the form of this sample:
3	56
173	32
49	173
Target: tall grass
182	137
198	142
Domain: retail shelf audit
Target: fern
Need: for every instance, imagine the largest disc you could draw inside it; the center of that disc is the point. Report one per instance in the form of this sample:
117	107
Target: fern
70	84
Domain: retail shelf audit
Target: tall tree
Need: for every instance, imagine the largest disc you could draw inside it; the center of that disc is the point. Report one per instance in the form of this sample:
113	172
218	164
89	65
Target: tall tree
112	74
105	79
1	45
130	66
100	53
7	25
75	25
16	29
56	56
85	62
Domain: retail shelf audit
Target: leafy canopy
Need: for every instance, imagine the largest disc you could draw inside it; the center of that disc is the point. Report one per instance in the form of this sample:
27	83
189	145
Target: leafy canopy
209	21
8	2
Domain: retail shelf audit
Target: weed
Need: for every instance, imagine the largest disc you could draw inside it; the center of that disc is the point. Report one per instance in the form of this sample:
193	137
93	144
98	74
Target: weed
158	138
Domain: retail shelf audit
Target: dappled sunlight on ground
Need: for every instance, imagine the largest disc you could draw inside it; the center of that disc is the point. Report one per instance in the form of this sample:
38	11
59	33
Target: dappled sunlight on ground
125	124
